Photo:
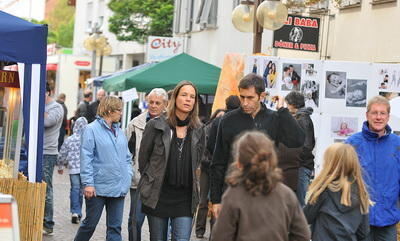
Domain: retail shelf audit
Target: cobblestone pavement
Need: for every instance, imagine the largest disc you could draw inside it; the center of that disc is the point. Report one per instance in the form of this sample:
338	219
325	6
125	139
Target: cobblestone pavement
64	230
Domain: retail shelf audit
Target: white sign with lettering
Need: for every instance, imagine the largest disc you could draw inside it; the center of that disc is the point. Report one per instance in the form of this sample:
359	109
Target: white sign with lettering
161	48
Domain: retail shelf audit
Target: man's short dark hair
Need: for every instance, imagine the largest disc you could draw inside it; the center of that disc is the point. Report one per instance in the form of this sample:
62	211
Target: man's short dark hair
87	95
252	80
232	102
48	88
295	99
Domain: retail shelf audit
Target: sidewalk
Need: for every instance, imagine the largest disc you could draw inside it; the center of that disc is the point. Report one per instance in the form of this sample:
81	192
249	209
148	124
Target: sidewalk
65	230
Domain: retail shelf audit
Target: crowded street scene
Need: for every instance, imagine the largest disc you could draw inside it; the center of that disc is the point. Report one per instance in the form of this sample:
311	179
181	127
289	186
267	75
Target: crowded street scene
218	120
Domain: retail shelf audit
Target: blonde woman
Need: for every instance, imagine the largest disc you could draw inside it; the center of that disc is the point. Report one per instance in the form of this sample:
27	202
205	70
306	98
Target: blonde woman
257	206
106	170
338	200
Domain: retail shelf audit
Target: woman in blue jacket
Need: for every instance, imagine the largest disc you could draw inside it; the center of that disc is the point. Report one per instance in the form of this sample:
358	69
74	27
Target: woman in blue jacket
106	170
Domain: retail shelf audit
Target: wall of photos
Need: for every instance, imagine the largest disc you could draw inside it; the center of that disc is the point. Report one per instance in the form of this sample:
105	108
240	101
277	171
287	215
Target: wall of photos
338	92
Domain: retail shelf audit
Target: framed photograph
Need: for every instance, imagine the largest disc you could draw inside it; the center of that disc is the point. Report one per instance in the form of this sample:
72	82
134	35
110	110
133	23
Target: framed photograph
342	127
268	72
310	90
389	78
356	94
335	84
291	77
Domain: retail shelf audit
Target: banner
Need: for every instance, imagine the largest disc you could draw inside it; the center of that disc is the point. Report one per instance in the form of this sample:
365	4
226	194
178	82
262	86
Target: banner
231	73
298	33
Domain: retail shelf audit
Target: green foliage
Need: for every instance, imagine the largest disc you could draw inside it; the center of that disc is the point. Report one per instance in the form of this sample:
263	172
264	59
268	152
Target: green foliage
135	20
61	24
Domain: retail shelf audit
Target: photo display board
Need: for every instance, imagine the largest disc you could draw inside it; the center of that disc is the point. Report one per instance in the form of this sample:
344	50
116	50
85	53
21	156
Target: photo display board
338	92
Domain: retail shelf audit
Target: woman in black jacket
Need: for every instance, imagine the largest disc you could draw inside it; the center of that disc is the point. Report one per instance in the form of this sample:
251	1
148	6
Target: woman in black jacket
338	201
170	152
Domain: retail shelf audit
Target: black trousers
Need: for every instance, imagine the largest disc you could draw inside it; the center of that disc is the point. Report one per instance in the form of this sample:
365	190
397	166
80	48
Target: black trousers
201	220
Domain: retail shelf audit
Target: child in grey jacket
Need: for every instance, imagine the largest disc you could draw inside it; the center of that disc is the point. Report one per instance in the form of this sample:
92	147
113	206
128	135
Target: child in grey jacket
69	155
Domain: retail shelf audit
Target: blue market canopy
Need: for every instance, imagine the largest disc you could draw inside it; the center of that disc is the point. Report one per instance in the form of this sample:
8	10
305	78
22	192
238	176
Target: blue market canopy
26	44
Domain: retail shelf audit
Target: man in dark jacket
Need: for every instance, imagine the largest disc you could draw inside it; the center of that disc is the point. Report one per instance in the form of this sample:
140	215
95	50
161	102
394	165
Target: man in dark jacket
379	152
92	108
231	103
280	126
296	106
63	130
83	108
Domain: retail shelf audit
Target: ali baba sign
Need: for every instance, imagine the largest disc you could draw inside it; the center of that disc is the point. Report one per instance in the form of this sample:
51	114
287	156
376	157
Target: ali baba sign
9	79
298	33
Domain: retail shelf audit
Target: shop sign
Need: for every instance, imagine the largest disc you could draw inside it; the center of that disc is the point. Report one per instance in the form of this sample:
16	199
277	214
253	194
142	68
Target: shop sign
9	79
82	63
161	48
298	33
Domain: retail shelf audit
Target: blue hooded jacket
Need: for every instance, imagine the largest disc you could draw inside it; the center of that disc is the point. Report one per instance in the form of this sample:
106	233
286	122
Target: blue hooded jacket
380	161
105	159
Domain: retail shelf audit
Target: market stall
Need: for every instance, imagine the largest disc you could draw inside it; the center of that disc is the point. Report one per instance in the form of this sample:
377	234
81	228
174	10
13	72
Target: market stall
24	43
168	73
22	100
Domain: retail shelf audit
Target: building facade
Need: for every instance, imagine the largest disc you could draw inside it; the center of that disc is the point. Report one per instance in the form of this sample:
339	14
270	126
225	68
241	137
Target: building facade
350	30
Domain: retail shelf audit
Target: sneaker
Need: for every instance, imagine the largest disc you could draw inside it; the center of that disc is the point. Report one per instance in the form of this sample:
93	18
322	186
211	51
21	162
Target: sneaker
201	236
75	218
48	231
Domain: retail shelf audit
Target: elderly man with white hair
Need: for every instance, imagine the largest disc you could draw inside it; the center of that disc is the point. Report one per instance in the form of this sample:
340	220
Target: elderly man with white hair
157	102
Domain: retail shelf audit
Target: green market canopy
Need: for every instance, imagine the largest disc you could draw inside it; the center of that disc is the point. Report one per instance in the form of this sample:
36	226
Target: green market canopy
167	74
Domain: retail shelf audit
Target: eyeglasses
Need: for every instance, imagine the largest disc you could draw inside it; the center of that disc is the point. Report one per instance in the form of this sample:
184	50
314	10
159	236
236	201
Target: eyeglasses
378	113
119	110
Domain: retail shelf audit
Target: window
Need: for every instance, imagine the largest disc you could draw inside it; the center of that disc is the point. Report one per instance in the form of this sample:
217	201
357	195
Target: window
322	5
208	14
350	4
183	16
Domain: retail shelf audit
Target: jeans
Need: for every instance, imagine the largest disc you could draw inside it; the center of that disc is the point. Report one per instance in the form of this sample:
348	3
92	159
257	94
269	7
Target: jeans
387	233
76	194
139	216
201	219
181	228
49	161
302	184
94	209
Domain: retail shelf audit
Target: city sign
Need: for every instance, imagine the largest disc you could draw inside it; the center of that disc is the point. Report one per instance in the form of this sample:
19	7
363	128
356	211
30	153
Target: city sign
298	33
161	48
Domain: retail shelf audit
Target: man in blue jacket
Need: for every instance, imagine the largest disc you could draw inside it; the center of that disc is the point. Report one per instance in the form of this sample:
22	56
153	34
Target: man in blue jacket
379	153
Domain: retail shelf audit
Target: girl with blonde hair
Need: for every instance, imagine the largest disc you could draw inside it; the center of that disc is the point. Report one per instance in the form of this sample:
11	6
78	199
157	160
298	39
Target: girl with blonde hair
257	206
338	200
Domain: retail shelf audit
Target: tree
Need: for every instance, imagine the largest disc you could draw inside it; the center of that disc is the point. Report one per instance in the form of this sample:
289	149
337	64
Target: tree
61	24
135	20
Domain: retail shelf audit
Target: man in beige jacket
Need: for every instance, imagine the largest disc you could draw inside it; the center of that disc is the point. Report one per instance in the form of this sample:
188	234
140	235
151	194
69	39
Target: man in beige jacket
157	102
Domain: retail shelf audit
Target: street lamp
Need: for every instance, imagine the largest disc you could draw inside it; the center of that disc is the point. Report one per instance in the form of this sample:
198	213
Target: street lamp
270	14
99	46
